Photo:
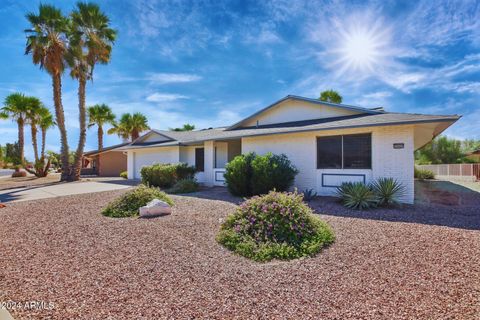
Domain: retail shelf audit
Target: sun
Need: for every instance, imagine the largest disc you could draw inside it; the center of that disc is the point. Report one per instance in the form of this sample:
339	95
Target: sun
361	48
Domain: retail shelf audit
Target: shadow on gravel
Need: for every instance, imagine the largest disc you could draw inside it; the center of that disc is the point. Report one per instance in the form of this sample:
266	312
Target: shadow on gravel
448	216
214	193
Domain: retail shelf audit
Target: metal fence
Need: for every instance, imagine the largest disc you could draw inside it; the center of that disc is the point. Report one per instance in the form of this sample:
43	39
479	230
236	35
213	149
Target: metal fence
457	169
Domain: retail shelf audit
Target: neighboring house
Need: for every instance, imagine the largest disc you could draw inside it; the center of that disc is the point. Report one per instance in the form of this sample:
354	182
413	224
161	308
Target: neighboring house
329	143
475	155
112	161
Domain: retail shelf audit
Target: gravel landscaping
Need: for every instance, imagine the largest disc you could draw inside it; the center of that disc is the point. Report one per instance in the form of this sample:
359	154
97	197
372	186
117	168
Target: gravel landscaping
384	264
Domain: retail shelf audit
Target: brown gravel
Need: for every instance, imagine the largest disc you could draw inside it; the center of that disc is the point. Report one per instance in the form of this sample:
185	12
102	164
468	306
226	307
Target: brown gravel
29	181
92	267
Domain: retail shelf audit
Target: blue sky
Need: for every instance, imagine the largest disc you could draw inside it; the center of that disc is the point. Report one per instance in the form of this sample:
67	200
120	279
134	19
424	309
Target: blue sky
211	63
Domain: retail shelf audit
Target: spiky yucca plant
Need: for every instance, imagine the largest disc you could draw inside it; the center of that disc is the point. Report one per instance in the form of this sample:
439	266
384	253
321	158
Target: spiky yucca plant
387	191
356	195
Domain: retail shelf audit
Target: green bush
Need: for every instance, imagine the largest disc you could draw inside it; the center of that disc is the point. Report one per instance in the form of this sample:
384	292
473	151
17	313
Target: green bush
166	175
424	174
124	174
275	226
129	203
252	174
387	191
356	195
238	174
184	186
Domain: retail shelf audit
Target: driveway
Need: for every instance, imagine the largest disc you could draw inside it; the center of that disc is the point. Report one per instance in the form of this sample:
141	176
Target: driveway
64	189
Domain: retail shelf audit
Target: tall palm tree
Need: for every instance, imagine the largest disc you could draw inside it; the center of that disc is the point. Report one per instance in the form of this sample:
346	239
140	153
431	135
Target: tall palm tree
46	122
91	39
99	115
34	116
47	43
17	107
130	126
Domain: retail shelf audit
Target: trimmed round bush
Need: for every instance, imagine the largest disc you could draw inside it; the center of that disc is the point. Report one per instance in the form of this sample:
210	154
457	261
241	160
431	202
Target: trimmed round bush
278	225
129	203
252	174
238	175
166	175
184	186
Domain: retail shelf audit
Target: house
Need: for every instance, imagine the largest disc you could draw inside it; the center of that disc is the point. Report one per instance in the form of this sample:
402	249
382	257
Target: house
112	161
474	155
328	143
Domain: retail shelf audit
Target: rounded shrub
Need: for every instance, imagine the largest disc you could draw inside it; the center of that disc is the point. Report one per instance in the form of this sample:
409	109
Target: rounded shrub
238	175
278	225
423	174
252	174
184	186
165	175
129	203
124	174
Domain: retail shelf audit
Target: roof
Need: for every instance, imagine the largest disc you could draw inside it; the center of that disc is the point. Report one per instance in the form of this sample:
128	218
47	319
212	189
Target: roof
94	152
365	120
315	101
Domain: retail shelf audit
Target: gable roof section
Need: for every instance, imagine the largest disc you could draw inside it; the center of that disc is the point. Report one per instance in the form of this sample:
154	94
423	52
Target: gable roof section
111	148
369	120
315	101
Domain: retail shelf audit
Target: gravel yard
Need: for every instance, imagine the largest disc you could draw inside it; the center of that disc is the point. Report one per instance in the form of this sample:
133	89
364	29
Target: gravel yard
94	267
29	181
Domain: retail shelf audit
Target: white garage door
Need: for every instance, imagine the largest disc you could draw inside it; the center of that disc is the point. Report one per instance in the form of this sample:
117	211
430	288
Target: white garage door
146	158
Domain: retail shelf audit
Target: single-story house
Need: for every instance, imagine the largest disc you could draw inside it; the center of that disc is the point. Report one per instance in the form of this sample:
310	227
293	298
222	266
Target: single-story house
329	143
474	155
112	161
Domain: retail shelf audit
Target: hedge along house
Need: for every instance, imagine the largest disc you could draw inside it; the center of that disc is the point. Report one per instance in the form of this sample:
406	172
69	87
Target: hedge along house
328	143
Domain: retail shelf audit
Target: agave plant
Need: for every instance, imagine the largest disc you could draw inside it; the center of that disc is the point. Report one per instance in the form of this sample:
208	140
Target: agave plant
309	195
356	195
387	191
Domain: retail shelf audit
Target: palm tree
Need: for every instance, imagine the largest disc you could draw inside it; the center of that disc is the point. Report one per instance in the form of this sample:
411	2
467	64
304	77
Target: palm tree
39	116
46	122
331	96
99	115
91	40
17	107
34	116
130	126
47	42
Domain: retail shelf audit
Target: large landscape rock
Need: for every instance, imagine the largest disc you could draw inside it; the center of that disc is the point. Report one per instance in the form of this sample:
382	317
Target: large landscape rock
155	208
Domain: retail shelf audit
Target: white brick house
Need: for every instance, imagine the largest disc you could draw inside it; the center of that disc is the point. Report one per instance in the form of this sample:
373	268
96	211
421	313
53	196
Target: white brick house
328	143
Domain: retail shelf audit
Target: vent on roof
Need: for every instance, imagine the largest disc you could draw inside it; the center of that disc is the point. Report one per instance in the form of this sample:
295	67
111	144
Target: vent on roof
378	109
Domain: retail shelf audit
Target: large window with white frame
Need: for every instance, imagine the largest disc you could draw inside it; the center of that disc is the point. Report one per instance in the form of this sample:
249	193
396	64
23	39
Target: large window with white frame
345	151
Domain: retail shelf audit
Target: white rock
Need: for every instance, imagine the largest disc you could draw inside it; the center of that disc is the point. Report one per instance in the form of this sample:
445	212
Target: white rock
155	208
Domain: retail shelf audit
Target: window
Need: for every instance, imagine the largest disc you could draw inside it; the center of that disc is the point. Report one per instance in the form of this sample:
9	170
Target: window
200	159
345	152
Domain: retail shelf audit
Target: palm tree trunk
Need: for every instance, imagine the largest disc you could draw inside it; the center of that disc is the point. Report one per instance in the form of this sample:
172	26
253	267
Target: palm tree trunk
21	139
100	147
60	119
77	165
134	134
33	127
44	137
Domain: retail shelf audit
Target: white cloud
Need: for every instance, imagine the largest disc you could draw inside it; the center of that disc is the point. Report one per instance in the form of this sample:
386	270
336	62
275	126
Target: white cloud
162	97
163	78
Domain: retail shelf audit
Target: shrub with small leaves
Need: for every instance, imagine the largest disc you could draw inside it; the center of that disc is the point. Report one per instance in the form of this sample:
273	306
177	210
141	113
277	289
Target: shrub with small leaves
387	191
124	174
424	174
278	225
129	203
356	195
184	186
165	175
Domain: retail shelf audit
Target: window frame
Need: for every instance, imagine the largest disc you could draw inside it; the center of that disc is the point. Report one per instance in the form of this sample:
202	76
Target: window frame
342	148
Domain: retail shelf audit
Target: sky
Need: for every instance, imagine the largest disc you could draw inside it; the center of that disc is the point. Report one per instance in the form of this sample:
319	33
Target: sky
212	63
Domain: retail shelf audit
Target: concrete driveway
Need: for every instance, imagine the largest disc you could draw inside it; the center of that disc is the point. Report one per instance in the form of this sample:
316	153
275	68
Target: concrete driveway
64	189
